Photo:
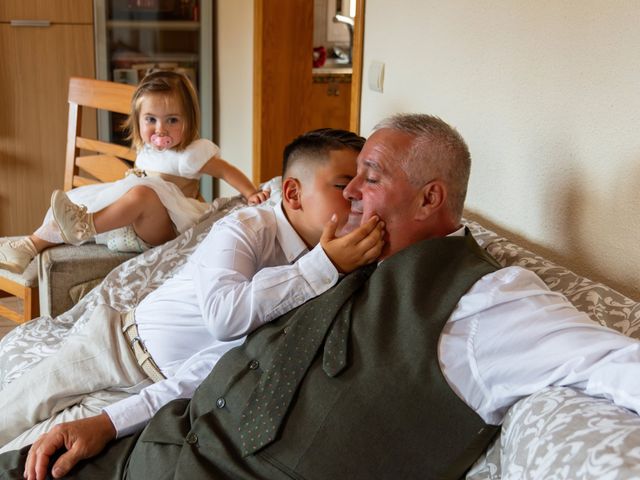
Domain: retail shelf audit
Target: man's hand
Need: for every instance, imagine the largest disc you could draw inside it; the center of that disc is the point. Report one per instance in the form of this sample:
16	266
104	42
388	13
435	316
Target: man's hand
82	439
358	248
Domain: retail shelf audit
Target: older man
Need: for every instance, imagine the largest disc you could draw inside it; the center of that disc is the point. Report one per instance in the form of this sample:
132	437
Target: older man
403	372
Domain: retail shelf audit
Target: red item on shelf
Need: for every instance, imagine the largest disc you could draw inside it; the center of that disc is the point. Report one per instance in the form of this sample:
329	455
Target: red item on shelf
319	56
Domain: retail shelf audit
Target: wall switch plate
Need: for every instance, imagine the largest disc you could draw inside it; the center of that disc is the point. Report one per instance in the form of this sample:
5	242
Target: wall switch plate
376	76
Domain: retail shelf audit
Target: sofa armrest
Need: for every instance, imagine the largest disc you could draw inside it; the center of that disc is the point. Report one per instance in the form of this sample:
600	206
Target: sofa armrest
561	433
62	268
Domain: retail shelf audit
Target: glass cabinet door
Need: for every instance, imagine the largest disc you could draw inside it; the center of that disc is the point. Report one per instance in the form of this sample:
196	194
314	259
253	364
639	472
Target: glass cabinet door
143	35
138	36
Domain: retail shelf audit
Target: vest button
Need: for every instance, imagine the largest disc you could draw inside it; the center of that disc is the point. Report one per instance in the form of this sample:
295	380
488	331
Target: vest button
254	364
220	403
191	438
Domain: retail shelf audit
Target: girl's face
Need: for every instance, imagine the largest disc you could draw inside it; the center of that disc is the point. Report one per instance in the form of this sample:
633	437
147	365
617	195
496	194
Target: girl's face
161	121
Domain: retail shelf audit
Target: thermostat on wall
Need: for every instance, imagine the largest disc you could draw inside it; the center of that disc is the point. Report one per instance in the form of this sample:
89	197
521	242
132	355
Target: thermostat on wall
376	76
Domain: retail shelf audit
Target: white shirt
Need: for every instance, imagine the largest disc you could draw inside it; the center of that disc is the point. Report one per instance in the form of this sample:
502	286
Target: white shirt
510	336
250	269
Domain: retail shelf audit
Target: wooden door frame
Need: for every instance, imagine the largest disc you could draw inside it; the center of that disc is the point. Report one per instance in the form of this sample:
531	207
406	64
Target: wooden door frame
282	81
356	64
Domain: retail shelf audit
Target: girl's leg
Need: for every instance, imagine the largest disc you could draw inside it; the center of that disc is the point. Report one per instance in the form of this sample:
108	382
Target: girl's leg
142	208
40	244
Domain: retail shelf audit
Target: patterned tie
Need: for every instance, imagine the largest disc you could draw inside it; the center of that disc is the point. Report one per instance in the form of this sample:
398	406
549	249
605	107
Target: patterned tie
270	400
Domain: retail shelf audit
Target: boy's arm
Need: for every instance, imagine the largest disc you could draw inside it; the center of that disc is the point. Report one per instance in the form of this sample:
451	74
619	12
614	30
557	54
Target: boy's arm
240	284
219	168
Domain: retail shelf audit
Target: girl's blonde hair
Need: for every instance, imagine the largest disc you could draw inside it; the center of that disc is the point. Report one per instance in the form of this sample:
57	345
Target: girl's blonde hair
166	83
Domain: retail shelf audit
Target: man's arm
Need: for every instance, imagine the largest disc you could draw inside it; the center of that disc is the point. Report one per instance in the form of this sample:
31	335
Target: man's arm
82	439
510	336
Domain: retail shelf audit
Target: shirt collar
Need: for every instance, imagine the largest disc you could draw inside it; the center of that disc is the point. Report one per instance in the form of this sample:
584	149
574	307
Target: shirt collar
457	233
290	242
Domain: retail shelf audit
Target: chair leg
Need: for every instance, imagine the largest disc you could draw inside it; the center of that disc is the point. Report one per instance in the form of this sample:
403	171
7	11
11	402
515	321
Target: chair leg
30	304
28	297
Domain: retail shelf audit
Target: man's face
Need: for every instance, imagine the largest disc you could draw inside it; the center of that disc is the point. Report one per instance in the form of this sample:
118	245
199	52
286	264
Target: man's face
322	192
381	187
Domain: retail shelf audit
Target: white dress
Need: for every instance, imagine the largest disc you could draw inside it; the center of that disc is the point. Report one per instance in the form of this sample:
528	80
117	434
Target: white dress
184	211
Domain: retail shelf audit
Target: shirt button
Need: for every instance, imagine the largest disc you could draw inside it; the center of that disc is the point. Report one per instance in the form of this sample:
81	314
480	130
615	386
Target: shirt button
191	438
220	403
254	364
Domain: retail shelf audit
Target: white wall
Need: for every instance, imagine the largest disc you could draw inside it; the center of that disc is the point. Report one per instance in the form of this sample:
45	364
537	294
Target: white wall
235	81
547	94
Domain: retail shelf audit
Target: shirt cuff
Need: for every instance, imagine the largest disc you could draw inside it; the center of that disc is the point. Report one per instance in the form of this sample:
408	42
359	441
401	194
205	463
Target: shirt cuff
128	416
318	270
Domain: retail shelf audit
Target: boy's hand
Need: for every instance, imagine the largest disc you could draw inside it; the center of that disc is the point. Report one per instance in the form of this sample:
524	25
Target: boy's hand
358	248
258	197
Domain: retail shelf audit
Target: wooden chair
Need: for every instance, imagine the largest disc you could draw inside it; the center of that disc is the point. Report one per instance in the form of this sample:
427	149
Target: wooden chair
65	269
25	288
88	161
108	161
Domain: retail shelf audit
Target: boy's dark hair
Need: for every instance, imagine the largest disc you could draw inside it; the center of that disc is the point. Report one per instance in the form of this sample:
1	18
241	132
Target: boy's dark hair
318	143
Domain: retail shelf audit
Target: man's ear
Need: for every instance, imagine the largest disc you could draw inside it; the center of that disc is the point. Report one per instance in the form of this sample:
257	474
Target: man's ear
432	198
292	192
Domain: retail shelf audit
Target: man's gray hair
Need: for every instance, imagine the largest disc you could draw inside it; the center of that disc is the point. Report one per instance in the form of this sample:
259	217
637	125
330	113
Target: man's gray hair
438	152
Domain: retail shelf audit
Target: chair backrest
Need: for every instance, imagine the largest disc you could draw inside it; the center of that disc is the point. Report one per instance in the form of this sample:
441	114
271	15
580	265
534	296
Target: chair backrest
100	161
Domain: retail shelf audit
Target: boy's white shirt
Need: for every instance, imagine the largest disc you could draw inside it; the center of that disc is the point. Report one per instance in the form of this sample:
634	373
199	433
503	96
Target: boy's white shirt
251	268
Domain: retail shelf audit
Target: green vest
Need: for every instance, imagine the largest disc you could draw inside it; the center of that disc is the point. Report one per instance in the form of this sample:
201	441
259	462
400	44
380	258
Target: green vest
389	414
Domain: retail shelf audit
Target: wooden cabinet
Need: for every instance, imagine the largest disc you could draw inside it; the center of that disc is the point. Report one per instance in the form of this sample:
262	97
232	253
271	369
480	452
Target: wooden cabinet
42	44
330	102
283	45
288	100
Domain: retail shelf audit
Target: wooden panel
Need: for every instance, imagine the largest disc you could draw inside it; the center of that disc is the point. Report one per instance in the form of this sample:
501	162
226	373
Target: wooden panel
106	148
55	11
329	105
283	49
115	97
103	167
79	181
38	63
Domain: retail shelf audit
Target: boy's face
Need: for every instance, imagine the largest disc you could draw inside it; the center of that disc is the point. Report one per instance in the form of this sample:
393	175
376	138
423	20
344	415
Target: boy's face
322	193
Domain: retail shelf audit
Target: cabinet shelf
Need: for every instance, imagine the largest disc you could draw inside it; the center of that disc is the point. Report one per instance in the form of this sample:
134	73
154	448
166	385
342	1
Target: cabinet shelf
126	58
174	25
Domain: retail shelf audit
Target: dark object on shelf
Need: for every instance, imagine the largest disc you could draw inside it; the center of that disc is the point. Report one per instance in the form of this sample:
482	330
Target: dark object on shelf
154	9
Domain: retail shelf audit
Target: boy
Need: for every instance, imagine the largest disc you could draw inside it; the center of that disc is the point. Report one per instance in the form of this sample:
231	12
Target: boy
253	266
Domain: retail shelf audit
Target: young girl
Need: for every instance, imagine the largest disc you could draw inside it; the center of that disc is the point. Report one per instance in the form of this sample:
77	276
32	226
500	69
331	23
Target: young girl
156	200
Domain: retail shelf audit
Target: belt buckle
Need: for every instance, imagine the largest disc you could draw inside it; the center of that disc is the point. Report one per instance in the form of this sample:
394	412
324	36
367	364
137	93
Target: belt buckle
138	172
138	340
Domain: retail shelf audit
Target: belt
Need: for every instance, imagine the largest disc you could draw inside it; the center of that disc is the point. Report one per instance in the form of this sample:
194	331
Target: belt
143	357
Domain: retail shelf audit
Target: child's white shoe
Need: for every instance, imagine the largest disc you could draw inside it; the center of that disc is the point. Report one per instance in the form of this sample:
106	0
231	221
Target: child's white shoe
16	255
76	225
